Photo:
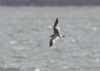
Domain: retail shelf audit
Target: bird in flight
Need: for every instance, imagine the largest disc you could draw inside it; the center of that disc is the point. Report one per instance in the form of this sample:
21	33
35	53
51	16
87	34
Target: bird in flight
56	33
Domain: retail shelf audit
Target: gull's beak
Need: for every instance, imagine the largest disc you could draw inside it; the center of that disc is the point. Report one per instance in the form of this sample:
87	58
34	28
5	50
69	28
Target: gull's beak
63	36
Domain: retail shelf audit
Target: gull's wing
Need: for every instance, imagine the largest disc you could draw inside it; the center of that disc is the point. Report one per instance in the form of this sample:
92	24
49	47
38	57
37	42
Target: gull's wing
56	22
56	31
53	40
51	43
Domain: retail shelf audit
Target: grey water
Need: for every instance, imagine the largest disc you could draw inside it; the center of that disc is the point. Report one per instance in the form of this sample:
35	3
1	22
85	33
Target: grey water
24	39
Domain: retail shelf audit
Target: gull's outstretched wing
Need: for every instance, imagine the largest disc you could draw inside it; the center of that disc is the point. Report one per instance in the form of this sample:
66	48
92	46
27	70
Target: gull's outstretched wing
51	42
56	31
56	22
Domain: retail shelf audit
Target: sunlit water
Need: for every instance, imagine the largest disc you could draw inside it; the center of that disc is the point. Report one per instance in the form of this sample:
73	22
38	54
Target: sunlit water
24	39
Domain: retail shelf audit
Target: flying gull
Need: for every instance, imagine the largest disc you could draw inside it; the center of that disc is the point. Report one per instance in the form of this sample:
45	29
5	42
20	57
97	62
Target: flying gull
56	34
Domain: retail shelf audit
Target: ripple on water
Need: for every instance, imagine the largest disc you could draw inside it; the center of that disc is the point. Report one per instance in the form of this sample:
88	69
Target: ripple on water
10	69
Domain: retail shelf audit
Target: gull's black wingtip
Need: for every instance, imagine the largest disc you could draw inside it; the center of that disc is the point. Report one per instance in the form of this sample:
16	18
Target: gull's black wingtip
56	19
50	45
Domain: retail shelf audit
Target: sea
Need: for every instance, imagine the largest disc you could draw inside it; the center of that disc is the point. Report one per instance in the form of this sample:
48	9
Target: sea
25	37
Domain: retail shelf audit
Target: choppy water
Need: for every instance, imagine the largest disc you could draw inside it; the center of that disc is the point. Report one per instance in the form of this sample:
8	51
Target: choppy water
24	39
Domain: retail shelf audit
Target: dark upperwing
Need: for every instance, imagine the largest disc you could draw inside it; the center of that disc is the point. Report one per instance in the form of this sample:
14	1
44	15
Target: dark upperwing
51	41
56	32
56	22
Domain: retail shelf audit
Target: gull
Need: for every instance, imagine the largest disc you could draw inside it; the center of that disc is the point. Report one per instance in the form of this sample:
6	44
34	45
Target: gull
56	35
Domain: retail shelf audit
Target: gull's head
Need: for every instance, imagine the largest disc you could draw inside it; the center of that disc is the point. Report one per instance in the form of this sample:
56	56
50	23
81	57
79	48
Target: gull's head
62	35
